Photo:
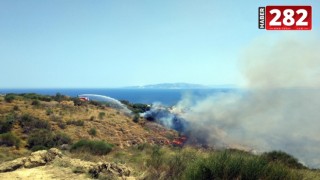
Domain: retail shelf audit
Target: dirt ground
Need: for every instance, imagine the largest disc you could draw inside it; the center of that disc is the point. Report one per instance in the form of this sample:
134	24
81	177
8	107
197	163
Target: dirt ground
43	173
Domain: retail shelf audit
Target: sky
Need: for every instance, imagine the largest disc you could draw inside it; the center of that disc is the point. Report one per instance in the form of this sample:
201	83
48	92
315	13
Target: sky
112	43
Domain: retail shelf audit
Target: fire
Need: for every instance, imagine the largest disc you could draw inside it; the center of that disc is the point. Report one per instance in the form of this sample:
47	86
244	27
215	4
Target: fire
180	141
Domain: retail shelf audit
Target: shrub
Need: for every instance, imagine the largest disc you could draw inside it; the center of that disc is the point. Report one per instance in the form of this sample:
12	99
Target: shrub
136	108
93	147
136	118
59	97
92	118
62	124
9	98
35	96
284	158
157	158
35	103
29	123
178	162
75	122
101	115
140	108
227	165
6	123
16	108
9	139
92	132
48	139
49	112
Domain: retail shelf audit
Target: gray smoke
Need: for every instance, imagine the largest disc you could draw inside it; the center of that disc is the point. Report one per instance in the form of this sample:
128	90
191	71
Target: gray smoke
278	108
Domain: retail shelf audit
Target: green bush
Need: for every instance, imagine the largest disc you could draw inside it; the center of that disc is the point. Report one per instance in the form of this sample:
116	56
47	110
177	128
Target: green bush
9	97
157	159
49	112
35	96
284	158
75	122
59	97
93	147
10	139
136	108
227	165
92	132
6	123
188	164
29	123
35	103
136	118
101	115
140	108
48	139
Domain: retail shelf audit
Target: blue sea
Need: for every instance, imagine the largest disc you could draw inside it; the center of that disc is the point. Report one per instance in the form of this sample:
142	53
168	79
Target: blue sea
148	96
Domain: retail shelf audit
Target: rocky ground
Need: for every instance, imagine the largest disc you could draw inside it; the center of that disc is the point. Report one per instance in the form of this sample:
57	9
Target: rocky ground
52	164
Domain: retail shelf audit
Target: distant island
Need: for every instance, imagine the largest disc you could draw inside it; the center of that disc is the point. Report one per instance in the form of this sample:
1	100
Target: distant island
178	86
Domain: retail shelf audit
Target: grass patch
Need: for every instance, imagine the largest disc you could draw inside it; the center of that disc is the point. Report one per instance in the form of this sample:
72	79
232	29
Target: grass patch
227	165
93	147
75	122
284	158
10	139
102	115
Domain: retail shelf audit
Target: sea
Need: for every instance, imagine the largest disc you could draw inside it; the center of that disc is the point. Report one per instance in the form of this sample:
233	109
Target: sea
167	97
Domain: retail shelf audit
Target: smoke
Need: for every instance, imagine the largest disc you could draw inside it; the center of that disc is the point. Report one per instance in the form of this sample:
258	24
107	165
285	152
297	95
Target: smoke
277	109
288	62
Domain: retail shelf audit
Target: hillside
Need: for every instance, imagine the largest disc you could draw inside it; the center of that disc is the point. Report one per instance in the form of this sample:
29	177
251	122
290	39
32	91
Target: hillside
110	124
94	140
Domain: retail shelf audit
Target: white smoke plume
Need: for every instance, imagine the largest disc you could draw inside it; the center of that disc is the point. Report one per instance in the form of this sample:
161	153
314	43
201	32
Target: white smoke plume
279	107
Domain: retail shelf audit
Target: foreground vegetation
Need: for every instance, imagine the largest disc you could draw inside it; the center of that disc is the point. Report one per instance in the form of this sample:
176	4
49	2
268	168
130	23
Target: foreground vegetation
94	132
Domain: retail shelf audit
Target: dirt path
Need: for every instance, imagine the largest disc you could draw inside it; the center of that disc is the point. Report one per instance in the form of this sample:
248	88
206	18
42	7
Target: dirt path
42	173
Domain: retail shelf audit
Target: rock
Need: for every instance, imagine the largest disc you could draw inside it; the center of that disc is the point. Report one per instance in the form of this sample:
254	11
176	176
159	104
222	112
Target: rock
53	153
40	158
43	157
105	168
37	158
65	147
12	165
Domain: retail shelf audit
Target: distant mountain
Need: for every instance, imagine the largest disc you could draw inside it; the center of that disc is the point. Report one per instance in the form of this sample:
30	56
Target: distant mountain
177	86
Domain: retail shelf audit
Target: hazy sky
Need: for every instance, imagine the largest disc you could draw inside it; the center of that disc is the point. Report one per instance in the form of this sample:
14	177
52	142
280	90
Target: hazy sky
112	43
